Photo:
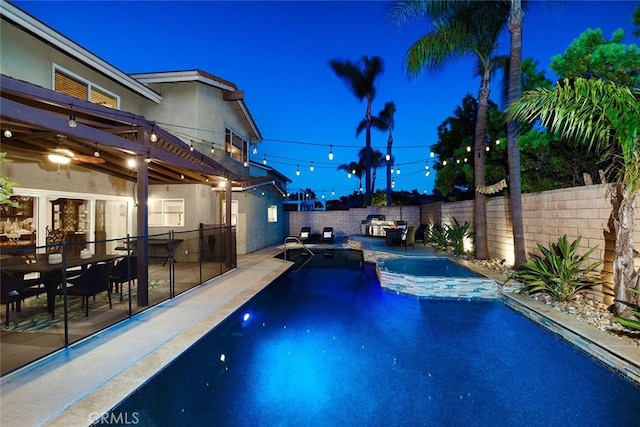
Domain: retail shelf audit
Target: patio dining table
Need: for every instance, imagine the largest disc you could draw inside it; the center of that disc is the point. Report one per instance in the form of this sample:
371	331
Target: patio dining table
51	274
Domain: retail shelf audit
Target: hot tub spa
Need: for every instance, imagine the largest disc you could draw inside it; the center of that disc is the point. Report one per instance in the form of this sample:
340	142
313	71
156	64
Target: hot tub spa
433	277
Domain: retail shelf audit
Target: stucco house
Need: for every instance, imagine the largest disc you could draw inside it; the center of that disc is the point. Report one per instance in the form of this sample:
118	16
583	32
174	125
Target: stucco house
76	128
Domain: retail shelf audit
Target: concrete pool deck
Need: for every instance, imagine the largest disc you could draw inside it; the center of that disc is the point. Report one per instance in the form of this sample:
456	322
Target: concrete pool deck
74	386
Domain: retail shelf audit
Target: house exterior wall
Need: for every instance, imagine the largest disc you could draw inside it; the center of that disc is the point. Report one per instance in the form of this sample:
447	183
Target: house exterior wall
37	66
252	217
203	113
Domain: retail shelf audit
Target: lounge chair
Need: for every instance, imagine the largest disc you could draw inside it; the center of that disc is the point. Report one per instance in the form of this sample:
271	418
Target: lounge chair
327	235
305	233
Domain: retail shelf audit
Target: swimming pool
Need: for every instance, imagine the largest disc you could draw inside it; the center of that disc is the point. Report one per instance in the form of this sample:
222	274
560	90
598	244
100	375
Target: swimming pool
327	346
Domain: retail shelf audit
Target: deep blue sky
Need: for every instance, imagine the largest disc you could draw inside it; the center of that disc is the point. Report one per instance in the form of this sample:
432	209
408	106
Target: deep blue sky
278	53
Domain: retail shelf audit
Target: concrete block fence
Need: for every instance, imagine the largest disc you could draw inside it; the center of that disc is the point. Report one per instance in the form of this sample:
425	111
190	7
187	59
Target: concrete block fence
577	211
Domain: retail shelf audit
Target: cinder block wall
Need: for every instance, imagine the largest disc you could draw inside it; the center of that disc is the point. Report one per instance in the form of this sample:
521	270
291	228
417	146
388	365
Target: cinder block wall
345	223
577	211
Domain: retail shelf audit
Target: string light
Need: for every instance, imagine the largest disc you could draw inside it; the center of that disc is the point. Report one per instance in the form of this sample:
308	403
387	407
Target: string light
191	146
153	137
264	161
213	148
148	159
330	152
8	133
72	119
387	157
311	167
255	148
131	162
96	153
297	170
349	175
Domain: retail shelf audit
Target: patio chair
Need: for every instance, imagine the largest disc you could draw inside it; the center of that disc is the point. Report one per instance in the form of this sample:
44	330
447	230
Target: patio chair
327	235
420	234
409	237
54	241
125	271
305	233
15	289
91	282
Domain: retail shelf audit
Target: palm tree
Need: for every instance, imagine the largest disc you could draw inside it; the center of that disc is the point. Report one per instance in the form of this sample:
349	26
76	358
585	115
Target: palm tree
377	161
384	122
460	29
513	133
605	116
353	168
360	77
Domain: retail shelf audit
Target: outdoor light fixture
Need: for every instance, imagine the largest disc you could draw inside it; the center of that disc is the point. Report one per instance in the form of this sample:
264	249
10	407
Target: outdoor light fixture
181	176
333	193
264	161
323	194
148	159
153	137
497	142
191	146
348	175
245	164
392	170
57	158
72	120
427	173
468	148
131	162
255	148
444	163
212	148
223	184
387	157
297	170
432	154
487	148
398	170
330	152
8	133
97	152
353	171
311	167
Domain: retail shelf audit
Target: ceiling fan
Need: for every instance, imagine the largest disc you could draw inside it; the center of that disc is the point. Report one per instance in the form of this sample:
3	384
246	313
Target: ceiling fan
63	155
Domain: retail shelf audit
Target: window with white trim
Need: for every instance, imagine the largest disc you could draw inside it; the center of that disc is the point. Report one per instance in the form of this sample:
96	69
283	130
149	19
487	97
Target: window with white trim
236	147
272	213
66	82
166	212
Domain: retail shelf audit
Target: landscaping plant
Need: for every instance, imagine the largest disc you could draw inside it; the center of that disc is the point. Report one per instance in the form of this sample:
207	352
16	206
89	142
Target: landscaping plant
631	323
558	271
457	234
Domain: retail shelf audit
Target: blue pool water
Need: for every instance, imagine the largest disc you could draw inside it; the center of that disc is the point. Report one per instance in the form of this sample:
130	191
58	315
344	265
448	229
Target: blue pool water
425	267
327	347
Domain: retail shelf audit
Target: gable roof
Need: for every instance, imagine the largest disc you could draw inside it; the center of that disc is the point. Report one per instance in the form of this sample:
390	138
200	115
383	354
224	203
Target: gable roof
50	36
232	94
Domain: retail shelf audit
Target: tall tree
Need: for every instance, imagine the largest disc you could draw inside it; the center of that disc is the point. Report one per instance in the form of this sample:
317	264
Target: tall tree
460	29
601	114
513	132
384	122
360	77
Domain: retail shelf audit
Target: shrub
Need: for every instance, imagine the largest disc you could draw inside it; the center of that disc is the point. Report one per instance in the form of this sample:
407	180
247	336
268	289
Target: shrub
558	271
456	236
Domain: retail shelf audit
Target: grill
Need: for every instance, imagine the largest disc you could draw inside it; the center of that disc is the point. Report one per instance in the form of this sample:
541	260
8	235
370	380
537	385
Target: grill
374	225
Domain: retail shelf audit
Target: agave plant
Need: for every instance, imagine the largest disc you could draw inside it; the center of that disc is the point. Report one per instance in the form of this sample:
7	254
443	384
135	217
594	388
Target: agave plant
631	323
558	271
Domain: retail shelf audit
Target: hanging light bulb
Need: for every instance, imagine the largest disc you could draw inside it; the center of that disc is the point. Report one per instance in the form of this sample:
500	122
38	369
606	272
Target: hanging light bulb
333	192
349	175
297	170
191	146
311	167
427	173
497	142
148	159
426	167
8	133
432	154
131	162
393	183
181	176
323	194
72	120
392	170
212	148
444	163
264	161
387	157
353	171
457	161
153	137
468	148
330	152
96	153
398	170
255	148
245	164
